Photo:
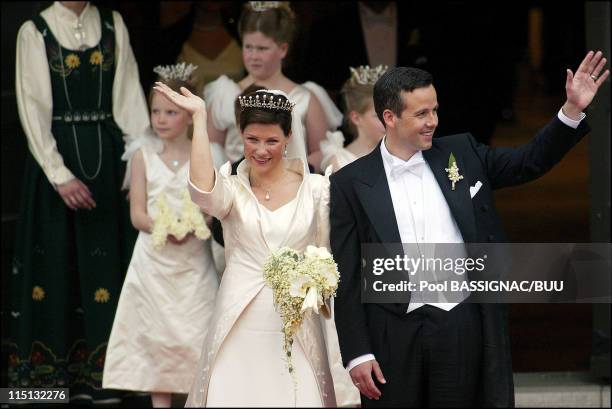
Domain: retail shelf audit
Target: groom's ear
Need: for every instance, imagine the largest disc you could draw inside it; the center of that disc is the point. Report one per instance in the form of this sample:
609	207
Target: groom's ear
389	118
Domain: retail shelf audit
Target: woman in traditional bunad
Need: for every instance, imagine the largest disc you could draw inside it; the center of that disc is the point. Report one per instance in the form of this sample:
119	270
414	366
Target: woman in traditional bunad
272	202
266	30
78	96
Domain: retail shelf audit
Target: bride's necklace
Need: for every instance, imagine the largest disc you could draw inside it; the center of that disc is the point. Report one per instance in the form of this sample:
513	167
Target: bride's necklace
266	189
175	163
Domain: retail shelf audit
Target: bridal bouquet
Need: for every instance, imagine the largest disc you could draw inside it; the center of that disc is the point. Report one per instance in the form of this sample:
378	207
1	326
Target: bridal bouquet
300	284
190	220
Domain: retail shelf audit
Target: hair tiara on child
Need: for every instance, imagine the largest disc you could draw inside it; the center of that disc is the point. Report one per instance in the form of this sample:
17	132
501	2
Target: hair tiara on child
365	75
260	6
180	71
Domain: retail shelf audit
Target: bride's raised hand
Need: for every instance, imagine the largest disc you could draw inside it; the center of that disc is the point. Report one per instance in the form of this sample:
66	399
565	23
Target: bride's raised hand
185	100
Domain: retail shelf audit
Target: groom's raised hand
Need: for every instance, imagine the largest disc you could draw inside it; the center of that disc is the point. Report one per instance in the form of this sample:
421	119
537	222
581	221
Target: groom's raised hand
362	378
582	86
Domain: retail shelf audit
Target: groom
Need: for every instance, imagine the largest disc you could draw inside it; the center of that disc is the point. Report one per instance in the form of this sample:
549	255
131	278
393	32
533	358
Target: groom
451	354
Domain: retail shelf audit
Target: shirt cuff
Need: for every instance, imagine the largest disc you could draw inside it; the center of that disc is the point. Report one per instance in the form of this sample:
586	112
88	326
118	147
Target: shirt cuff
58	176
359	360
569	121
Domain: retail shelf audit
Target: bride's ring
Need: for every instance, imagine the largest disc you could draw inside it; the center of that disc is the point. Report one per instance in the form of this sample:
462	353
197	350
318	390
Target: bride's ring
594	77
356	383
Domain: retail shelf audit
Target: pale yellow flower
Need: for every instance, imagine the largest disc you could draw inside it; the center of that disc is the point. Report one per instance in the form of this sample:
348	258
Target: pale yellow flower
191	220
96	58
101	295
38	293
317	252
72	61
299	285
179	229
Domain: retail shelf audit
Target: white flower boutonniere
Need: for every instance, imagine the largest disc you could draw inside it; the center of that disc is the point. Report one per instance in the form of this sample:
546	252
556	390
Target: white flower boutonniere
453	171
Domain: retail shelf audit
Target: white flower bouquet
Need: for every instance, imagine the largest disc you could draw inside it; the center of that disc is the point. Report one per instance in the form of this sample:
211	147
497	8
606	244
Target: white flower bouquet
300	284
190	220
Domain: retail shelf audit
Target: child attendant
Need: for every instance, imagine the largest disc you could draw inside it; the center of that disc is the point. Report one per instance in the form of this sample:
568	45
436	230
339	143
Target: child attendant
170	288
361	120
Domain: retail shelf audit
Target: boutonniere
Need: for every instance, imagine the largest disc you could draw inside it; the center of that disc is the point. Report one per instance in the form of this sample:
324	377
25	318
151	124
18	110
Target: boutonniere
453	170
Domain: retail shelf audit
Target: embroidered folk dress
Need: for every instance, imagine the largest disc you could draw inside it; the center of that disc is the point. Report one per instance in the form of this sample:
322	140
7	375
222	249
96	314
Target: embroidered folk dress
166	300
69	265
243	361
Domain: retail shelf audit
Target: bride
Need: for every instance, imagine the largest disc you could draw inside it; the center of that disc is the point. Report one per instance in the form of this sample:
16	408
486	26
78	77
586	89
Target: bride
272	202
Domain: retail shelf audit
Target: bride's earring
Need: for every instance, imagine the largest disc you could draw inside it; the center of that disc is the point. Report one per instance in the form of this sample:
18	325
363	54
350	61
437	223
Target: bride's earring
285	153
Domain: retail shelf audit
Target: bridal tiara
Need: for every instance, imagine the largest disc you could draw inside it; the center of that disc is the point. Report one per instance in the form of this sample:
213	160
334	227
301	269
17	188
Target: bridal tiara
266	102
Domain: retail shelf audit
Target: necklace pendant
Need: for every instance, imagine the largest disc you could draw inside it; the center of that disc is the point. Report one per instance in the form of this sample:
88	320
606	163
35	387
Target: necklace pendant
175	163
267	197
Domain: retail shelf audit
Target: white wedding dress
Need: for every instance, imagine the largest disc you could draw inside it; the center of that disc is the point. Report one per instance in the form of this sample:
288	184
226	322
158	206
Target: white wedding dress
243	362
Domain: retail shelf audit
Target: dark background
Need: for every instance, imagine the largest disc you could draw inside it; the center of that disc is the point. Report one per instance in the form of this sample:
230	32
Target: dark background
539	40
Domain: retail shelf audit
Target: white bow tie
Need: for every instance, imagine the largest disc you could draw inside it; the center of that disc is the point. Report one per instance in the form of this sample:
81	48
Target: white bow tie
413	166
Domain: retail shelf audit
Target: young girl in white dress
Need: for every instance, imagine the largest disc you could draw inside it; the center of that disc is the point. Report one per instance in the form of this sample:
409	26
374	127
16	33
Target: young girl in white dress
357	93
169	293
272	202
266	31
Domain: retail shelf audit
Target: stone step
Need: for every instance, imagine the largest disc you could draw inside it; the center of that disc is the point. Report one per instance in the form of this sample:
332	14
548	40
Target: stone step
560	390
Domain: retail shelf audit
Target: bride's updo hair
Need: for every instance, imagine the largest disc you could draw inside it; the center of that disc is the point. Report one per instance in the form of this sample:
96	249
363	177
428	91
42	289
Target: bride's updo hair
266	107
274	19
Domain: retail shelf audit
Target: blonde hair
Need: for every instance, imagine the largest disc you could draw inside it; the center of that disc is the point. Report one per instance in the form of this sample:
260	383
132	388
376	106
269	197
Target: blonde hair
175	85
356	97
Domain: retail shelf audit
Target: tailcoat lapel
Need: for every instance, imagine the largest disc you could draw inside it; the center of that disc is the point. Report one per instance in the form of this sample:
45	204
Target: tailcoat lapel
373	191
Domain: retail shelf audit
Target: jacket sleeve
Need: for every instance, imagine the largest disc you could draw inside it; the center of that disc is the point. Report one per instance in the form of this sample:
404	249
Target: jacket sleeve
507	166
345	245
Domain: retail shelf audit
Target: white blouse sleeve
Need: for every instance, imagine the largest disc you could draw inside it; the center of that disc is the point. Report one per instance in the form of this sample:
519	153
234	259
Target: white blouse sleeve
332	113
35	103
219	97
129	103
219	201
330	146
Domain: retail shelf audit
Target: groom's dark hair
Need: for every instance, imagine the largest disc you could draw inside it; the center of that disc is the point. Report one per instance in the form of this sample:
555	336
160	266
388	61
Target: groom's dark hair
388	88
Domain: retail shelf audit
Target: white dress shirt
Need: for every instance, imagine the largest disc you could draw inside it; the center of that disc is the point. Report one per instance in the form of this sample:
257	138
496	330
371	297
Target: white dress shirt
33	82
421	211
417	199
